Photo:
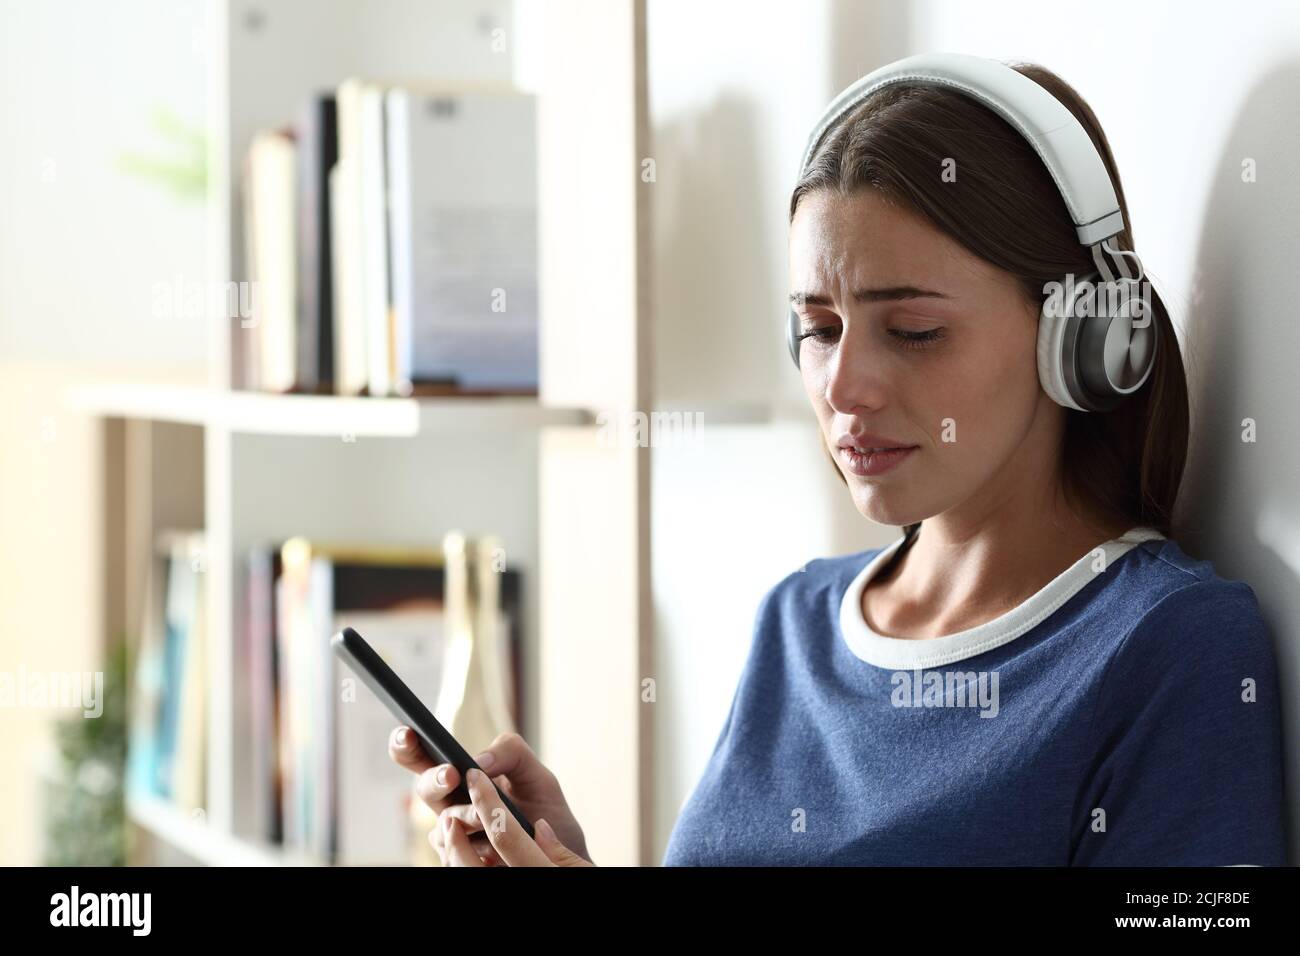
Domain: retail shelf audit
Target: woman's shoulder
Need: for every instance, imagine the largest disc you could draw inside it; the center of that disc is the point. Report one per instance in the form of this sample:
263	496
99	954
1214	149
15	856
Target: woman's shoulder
810	596
1185	614
1173	582
1186	728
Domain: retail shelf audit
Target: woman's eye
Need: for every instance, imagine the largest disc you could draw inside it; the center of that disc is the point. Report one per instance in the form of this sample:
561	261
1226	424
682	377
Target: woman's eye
917	340
908	339
823	333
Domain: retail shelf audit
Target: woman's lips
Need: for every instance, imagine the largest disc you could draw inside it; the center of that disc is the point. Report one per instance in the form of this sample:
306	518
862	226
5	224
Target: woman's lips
874	463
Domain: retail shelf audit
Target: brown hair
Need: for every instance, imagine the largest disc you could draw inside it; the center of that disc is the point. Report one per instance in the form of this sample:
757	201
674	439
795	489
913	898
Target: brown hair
1125	464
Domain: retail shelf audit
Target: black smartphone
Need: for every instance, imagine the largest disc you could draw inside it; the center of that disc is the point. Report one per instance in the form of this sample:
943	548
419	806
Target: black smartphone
440	745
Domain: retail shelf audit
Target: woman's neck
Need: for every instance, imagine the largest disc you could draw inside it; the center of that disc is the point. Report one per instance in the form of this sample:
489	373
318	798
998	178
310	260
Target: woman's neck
963	570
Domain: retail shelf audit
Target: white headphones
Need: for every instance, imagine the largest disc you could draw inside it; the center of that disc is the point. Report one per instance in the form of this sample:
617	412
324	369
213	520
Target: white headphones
1091	354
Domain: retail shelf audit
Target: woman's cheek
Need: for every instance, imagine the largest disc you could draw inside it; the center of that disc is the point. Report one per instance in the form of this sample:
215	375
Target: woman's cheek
961	401
993	376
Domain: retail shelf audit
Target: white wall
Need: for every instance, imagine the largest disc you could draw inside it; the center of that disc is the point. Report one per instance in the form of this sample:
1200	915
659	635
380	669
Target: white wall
82	243
1184	91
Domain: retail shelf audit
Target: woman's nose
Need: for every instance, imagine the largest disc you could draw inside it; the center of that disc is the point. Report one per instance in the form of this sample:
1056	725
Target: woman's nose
857	374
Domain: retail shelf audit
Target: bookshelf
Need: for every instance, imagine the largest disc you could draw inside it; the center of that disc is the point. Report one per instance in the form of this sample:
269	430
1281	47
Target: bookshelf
572	511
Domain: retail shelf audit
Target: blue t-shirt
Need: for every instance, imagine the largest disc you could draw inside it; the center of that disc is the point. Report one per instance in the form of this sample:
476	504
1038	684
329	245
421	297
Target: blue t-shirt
1125	715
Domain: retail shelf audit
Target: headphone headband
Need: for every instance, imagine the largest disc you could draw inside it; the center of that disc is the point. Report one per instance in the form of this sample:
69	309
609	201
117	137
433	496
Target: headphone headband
1051	129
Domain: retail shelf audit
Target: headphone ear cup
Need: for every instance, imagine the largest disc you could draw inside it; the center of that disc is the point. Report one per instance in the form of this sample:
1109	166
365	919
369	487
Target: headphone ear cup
1053	326
792	336
1117	349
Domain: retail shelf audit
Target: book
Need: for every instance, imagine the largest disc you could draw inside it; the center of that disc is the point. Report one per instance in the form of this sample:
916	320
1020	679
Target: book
166	748
256	699
347	250
302	596
270	234
317	138
376	306
462	172
189	771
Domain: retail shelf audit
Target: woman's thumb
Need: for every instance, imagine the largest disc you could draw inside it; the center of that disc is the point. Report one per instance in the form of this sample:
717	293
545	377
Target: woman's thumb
555	851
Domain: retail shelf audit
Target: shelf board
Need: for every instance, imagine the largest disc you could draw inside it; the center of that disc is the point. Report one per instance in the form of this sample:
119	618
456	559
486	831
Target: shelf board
316	415
723	413
200	841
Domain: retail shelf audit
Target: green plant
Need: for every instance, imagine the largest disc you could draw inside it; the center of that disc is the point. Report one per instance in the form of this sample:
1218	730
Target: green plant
85	815
187	175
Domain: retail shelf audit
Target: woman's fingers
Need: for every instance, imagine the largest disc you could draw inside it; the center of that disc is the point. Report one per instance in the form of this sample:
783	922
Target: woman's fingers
464	812
504	785
555	851
513	845
509	764
405	750
486	852
511	755
459	852
434	784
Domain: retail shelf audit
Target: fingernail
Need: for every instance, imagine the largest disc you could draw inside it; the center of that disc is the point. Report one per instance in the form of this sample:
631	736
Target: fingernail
441	776
545	830
401	737
485	759
473	777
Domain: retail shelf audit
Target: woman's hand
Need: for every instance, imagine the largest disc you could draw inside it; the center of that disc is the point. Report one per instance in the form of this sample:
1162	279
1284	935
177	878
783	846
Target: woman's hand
515	769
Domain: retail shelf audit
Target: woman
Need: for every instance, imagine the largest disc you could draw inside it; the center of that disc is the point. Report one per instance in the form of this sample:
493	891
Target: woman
1041	676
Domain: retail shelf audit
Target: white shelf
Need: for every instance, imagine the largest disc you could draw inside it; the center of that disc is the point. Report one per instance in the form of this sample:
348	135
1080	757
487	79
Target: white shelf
323	415
722	413
203	843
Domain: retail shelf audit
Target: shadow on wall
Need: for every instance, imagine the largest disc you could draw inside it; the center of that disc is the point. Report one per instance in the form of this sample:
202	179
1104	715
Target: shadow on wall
1240	506
712	259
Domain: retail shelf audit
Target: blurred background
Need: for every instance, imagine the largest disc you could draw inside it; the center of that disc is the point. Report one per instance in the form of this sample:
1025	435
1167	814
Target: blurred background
248	249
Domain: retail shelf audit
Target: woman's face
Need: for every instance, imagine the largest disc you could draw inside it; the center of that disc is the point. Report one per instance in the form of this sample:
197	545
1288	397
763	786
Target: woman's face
920	343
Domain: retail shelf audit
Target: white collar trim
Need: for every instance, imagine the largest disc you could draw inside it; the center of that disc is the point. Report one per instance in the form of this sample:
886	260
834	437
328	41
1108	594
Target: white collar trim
904	654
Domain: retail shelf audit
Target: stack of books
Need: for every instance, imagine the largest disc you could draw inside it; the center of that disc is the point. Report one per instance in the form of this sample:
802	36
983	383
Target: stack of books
391	245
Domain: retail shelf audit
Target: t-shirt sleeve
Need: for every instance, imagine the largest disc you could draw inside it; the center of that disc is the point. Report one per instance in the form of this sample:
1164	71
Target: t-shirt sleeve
1184	765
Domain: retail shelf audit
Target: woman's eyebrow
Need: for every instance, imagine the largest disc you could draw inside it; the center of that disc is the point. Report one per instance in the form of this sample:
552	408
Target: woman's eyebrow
893	293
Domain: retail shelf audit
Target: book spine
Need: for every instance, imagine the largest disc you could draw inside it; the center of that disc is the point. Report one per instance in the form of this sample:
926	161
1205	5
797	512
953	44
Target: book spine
398	104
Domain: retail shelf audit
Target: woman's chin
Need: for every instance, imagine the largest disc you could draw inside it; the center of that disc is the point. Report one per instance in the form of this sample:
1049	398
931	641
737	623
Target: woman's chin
877	507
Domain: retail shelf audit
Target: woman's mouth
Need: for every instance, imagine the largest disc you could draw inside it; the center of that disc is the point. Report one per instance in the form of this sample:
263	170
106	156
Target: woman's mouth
870	462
